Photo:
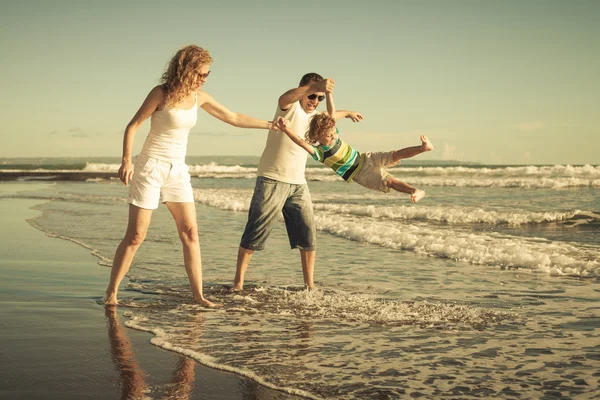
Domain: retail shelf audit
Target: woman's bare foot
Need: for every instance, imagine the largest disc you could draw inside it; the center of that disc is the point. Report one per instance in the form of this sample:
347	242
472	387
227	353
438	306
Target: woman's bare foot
207	303
110	299
417	195
425	146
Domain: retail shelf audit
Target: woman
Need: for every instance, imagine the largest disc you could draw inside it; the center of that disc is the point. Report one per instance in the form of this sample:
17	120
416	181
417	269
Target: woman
160	173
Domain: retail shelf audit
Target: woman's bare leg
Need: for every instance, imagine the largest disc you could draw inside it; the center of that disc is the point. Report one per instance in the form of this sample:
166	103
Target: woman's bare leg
137	227
187	226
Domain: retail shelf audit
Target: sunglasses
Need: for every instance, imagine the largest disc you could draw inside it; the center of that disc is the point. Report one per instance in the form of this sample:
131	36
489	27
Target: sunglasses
204	76
314	96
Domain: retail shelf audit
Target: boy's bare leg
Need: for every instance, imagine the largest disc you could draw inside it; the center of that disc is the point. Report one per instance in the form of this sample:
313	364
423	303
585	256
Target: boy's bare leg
243	259
409	152
399	186
308	267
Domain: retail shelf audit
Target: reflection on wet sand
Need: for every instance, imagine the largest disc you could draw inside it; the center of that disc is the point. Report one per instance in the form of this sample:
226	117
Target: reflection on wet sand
133	378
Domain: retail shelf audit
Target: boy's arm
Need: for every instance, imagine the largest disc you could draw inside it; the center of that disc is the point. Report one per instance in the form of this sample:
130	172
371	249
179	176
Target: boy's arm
287	99
330	105
283	127
353	115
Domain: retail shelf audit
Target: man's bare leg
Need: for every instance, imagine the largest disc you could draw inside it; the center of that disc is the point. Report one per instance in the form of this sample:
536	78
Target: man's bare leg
308	267
243	259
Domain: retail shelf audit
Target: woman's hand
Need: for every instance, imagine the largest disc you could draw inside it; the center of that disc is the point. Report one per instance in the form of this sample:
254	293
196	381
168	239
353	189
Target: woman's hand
126	172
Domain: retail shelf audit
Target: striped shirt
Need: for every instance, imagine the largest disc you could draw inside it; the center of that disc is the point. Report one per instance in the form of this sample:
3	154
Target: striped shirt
340	157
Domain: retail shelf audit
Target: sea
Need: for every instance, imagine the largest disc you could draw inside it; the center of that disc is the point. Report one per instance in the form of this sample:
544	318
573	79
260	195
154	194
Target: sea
489	287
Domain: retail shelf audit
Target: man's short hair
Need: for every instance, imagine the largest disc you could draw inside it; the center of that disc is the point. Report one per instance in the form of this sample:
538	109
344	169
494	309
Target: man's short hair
310	77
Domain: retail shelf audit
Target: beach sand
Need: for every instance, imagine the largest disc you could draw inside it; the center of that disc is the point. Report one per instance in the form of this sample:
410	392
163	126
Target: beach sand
59	343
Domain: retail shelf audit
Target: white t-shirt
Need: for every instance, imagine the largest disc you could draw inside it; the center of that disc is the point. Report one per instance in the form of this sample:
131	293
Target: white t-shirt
283	160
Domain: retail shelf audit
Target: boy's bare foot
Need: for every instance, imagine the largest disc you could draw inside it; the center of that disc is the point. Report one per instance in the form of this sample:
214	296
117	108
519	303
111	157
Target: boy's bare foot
110	300
425	146
417	195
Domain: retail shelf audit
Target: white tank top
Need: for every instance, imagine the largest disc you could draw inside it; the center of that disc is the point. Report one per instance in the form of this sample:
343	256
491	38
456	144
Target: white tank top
282	159
169	131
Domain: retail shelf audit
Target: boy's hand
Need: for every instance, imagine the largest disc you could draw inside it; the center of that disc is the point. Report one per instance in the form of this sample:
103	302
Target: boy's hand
326	85
354	116
282	123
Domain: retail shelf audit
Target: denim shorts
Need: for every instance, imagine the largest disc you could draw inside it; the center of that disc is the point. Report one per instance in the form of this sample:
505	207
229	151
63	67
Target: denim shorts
271	198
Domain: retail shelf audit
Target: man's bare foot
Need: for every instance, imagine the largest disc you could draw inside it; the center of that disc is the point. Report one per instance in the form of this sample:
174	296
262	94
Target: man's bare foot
207	303
417	195
110	300
425	145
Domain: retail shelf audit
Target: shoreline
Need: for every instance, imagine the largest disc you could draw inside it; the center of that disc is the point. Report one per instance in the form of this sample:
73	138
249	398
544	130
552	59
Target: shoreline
60	343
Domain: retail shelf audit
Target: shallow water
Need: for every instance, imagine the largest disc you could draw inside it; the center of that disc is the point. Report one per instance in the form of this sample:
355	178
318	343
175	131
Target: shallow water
486	288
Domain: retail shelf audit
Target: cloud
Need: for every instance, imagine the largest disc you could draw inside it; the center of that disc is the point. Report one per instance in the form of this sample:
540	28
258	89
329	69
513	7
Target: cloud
77	132
530	126
76	129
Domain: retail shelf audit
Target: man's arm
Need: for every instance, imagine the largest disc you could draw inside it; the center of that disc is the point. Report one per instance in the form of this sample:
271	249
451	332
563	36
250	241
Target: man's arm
287	99
283	126
353	115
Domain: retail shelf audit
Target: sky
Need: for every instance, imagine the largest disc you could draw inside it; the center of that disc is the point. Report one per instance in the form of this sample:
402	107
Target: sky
495	82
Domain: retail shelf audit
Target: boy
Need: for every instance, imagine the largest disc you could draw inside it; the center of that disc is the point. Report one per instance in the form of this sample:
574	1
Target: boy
366	169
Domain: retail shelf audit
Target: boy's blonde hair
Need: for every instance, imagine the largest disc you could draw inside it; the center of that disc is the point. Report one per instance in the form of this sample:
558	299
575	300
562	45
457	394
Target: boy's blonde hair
319	124
181	74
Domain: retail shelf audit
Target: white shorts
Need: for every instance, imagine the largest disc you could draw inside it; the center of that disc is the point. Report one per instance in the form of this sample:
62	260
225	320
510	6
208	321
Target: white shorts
155	181
373	174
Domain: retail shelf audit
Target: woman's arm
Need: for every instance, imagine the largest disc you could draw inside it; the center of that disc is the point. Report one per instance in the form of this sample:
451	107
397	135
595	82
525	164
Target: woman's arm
282	124
155	98
222	113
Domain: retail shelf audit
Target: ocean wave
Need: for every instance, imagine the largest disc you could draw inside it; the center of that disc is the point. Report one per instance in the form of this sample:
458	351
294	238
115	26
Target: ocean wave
483	248
454	215
239	200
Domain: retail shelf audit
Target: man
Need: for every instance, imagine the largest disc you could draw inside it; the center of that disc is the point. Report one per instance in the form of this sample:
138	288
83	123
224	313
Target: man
281	185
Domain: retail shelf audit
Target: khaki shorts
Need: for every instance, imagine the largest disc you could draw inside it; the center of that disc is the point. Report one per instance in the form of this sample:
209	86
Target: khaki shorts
373	174
155	181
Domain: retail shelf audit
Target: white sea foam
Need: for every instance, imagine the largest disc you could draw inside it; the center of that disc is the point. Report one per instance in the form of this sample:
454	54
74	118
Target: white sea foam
375	225
453	215
239	200
99	167
340	305
165	341
472	247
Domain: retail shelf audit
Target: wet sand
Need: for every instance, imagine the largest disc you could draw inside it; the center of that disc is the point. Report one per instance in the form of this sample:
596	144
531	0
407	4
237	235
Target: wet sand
59	343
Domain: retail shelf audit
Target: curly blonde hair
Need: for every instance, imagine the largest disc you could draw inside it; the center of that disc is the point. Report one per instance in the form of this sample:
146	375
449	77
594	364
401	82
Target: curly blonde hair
181	75
319	124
